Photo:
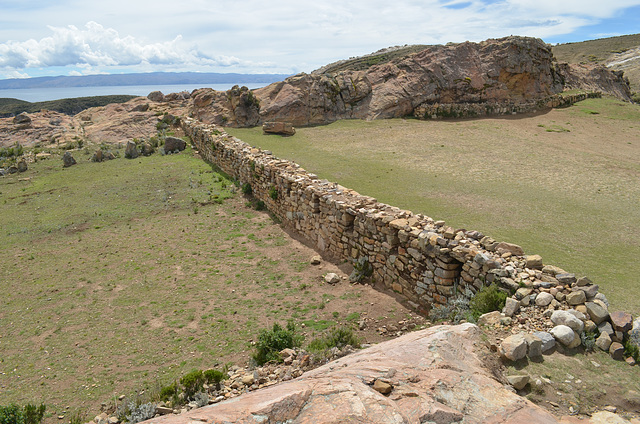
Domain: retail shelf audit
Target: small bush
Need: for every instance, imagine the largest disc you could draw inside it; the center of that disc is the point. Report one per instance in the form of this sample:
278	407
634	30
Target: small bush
246	189
488	299
214	377
30	414
168	392
588	340
273	193
361	270
456	309
631	350
338	337
271	342
192	383
142	412
260	206
201	399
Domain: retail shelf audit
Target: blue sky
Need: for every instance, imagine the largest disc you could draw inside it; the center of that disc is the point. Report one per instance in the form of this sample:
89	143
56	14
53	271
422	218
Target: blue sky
79	37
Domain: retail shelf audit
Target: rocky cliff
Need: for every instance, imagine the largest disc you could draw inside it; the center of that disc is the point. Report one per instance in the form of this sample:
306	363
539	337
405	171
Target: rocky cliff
507	71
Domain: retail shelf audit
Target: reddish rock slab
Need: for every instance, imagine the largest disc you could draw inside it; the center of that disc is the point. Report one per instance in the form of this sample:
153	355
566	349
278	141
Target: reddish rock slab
437	375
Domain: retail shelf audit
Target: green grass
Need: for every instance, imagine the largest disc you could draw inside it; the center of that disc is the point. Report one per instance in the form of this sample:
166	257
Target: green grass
570	196
112	284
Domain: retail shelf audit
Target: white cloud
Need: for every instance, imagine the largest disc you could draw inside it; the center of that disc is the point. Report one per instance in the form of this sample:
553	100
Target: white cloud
97	46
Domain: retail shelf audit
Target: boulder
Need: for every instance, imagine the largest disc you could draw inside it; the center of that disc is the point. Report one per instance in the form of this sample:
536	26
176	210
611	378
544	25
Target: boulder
98	156
544	299
518	381
147	149
174	144
576	298
430	366
533	261
22	166
590	291
511	307
534	346
597	313
514	347
514	249
22	120
616	350
603	342
548	341
155	96
564	335
566	278
621	321
68	160
567	319
490	318
131	151
282	128
382	387
332	278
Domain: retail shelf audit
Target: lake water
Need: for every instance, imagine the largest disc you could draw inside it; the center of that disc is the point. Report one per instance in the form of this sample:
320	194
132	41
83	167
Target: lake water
44	94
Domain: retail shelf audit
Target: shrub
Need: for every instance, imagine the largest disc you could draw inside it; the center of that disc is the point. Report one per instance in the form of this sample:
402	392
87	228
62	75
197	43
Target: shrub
168	392
631	350
30	414
201	399
338	337
588	340
246	189
142	412
271	342
456	309
192	383
214	377
259	205
488	299
273	193
361	270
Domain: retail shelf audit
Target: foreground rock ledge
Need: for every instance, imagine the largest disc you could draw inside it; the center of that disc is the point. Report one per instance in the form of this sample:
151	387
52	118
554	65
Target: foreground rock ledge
437	375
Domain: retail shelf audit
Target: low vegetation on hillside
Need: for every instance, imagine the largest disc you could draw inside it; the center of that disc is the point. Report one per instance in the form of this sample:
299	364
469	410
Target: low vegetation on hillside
10	107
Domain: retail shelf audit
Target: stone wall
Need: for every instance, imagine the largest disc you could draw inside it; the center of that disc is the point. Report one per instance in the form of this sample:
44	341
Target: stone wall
472	110
424	260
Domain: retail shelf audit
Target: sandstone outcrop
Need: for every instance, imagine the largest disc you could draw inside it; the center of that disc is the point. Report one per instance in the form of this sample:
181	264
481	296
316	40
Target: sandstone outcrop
503	76
433	375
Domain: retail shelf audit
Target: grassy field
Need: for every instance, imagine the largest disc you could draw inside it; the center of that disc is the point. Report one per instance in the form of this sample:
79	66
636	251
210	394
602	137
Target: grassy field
564	184
127	274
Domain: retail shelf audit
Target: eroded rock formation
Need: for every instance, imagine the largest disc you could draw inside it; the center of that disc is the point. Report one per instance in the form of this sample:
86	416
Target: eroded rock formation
505	75
435	375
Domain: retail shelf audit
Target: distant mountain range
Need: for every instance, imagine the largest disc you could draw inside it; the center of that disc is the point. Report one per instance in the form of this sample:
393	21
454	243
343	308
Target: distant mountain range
153	78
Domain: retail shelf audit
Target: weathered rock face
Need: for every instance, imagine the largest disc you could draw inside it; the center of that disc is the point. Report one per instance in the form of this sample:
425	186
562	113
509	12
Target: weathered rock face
492	77
434	375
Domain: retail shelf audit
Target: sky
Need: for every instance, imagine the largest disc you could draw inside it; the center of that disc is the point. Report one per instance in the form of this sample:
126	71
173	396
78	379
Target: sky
84	37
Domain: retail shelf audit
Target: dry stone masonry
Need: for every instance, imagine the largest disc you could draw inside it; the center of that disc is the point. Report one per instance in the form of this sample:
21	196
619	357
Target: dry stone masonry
425	261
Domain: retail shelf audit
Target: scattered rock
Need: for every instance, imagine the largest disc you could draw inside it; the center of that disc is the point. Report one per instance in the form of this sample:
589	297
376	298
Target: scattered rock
131	151
576	298
514	347
382	387
621	321
147	149
544	299
634	334
282	128
603	341
533	261
97	156
534	346
616	350
567	319
490	318
511	307
68	160
22	166
518	381
548	341
23	120
174	144
332	278
566	278
156	96
597	313
514	249
564	335
316	260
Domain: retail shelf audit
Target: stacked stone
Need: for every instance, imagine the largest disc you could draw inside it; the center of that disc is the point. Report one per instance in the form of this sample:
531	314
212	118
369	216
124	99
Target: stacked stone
425	261
471	110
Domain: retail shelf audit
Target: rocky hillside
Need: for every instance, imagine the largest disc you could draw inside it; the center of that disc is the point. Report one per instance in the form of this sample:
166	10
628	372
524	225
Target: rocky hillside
496	73
617	53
